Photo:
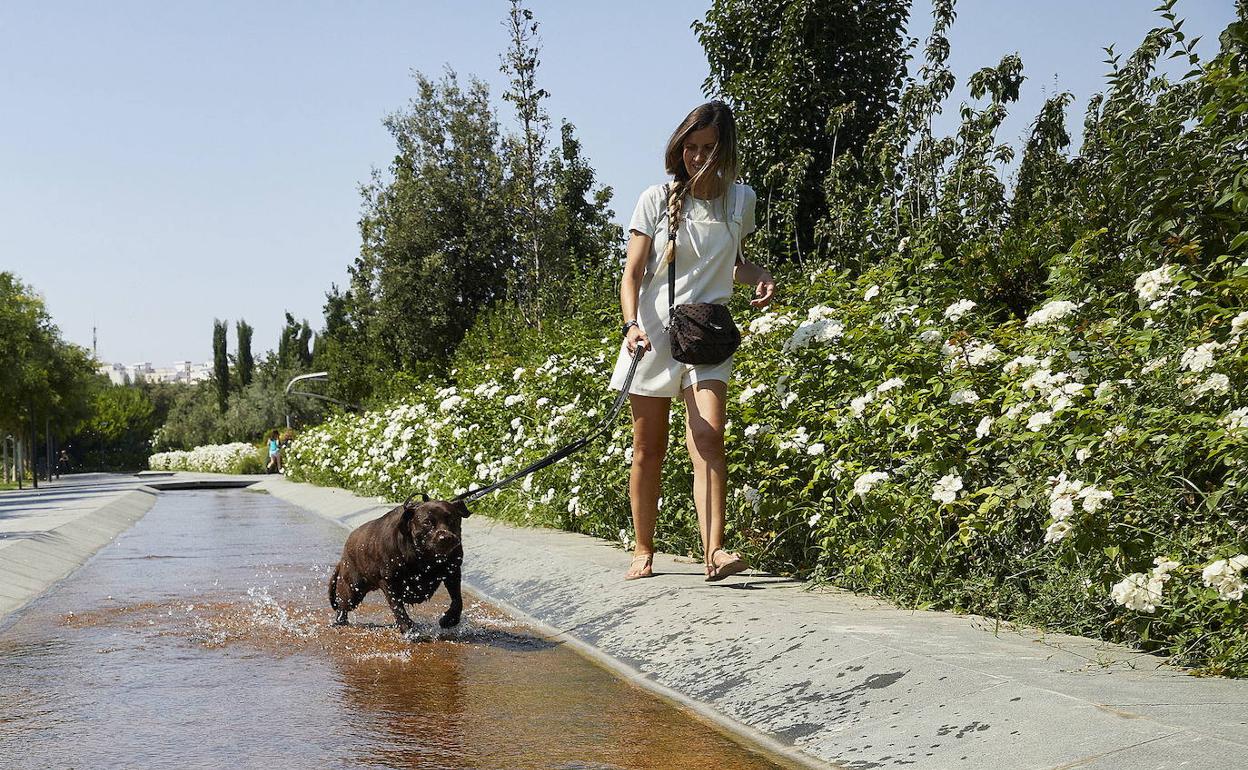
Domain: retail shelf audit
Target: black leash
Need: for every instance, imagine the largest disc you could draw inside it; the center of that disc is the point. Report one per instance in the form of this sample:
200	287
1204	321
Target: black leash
559	454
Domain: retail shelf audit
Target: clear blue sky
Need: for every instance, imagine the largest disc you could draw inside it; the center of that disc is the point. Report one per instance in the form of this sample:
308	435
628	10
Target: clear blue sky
163	164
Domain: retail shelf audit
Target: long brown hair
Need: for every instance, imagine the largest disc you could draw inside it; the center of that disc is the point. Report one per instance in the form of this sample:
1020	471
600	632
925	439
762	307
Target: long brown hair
722	166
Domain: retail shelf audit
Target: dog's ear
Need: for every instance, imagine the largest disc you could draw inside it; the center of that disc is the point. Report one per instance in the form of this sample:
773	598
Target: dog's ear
462	508
425	497
409	508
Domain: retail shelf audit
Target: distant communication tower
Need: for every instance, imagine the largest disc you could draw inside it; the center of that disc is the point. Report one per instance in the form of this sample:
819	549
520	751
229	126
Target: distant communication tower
93	353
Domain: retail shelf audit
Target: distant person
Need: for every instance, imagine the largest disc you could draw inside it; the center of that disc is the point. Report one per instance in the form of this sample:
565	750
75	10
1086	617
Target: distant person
62	462
275	453
710	214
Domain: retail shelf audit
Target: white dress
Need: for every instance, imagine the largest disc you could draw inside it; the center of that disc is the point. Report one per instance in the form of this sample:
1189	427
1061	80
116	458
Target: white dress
706	249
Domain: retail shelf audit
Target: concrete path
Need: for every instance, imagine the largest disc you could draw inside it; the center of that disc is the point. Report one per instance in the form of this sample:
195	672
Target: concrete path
825	677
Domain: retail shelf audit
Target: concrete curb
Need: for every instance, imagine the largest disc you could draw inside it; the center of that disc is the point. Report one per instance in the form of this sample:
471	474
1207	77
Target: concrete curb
33	565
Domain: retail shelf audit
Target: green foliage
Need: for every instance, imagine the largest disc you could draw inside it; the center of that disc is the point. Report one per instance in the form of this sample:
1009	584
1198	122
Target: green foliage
436	242
524	154
43	380
468	221
809	81
584	244
192	418
294	345
118	434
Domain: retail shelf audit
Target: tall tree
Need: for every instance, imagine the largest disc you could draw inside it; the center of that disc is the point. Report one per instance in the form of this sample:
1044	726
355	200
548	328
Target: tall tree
585	243
807	79
342	349
436	237
294	346
220	364
26	341
246	363
42	378
526	157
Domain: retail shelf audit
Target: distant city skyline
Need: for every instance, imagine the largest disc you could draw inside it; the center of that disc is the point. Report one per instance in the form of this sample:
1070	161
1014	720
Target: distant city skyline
162	165
184	372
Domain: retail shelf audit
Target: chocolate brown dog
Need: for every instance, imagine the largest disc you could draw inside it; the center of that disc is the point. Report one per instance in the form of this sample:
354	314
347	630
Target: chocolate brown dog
407	553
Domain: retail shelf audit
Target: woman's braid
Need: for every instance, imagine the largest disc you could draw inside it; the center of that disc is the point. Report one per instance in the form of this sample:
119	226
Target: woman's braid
675	204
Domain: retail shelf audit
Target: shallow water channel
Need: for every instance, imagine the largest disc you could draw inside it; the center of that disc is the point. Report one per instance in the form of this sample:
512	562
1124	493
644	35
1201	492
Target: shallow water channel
201	638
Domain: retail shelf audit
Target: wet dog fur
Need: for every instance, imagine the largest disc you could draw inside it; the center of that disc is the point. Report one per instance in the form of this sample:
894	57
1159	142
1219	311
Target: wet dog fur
407	553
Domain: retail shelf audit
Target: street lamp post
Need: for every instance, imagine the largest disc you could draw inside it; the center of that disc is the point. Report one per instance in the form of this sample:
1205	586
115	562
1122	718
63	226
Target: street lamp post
322	376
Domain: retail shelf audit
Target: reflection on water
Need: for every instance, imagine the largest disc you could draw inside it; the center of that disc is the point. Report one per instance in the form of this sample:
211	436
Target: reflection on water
201	638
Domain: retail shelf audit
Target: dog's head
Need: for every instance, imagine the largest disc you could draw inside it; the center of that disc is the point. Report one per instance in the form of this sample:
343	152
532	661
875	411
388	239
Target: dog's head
434	525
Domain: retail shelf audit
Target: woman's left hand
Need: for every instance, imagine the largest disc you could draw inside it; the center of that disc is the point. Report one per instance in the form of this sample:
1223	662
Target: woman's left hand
764	290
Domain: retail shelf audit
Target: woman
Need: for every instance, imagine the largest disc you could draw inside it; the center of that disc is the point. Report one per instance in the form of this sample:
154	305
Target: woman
275	454
701	203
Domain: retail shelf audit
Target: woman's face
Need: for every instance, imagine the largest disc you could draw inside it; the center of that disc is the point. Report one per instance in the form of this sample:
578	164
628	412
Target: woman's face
698	148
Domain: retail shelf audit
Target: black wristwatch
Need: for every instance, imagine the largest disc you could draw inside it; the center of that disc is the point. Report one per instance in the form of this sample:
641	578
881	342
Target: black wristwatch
624	329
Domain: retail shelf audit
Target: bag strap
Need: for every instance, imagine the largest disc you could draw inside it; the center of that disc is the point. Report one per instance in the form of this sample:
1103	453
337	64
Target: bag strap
737	212
671	266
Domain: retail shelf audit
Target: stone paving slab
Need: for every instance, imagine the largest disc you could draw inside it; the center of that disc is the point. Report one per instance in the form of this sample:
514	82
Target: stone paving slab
1180	750
841	679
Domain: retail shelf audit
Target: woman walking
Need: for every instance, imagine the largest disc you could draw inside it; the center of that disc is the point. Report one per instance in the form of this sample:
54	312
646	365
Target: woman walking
710	215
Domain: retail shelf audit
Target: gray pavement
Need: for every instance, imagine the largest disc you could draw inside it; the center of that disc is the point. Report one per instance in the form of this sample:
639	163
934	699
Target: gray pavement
47	533
823	676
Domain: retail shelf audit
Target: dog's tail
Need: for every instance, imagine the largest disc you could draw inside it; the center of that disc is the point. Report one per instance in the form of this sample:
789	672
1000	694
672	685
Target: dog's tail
333	586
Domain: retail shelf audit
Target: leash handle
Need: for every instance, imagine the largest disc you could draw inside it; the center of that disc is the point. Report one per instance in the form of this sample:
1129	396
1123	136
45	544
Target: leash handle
562	452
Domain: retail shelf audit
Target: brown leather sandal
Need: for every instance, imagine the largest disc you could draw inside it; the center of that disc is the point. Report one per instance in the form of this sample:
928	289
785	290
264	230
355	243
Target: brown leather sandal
644	571
734	565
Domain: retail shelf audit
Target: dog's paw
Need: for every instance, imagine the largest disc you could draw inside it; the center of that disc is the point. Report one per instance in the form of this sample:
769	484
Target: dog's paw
448	620
340	620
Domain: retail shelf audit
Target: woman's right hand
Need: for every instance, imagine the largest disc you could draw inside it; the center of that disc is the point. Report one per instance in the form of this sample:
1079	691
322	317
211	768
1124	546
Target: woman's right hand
635	336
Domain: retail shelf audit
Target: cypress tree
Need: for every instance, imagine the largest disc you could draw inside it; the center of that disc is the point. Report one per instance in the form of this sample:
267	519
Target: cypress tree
220	364
246	364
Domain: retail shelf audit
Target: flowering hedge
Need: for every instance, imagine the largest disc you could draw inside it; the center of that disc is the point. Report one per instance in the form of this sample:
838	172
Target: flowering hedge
1080	468
213	458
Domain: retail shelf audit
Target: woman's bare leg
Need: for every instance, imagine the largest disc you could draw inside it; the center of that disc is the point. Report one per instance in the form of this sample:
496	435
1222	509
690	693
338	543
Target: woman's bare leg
650	423
704	435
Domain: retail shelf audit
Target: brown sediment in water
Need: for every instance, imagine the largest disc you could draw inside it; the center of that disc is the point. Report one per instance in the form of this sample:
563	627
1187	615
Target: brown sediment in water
287	628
